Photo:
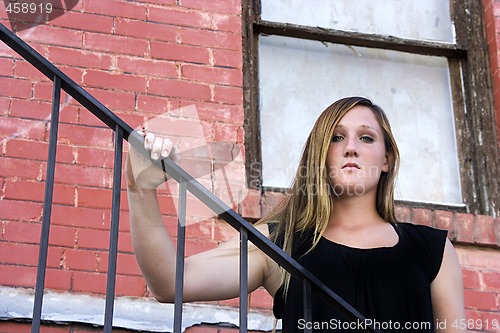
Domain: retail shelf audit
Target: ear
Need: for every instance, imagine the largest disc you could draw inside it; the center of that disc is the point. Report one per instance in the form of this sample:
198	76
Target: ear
385	167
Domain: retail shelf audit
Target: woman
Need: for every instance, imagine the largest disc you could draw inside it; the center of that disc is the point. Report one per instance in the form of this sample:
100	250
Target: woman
338	221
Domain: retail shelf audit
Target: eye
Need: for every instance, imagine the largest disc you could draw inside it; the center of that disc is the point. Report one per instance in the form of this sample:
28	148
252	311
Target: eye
337	138
367	139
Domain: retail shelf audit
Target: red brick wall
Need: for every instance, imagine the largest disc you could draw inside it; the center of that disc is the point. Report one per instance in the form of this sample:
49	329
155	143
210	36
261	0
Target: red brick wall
143	59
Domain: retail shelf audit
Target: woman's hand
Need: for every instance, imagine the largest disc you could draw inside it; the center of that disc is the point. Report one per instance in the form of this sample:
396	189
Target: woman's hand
141	171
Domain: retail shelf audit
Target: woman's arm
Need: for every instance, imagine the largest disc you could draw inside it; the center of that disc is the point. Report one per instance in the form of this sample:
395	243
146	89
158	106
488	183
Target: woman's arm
447	293
210	275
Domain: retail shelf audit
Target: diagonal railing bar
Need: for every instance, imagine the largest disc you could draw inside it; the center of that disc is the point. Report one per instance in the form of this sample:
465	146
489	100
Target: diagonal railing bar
179	264
67	84
47	207
243	280
114	228
177	173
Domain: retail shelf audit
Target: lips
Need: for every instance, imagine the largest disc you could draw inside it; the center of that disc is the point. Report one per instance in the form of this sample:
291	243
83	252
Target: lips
351	165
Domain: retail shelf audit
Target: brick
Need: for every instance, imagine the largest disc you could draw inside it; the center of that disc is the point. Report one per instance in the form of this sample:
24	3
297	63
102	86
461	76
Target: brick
82	21
93	239
212	75
117	8
43	91
20	210
17	276
19	254
179	17
152	104
484	230
480	300
228	58
34	191
250	205
29	109
145	30
150	67
218	112
62	236
491	280
471	279
81	260
44	34
15	327
13	87
218	6
403	214
227	22
36	151
20	168
7	66
91	156
24	70
422	216
82	175
115	44
24	232
108	80
464	227
183	89
4	106
85	136
176	52
228	95
270	200
444	220
80	217
126	265
212	39
130	286
79	58
58	279
88	282
114	100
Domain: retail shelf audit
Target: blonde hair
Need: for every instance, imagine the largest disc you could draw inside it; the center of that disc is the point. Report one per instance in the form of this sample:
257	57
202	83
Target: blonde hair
307	204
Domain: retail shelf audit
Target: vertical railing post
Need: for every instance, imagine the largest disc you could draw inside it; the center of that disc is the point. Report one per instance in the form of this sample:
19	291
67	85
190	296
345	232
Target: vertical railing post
47	207
114	230
179	265
307	305
243	280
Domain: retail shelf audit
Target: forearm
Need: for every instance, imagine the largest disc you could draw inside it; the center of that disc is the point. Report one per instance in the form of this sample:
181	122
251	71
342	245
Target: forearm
152	244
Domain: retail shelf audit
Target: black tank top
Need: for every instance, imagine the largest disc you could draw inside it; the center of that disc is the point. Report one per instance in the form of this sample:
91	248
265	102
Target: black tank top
389	285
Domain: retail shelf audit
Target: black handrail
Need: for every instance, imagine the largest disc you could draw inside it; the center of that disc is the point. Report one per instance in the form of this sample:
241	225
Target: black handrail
124	132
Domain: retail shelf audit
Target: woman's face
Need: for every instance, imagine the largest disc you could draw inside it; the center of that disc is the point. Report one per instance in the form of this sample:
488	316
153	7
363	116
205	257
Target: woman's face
357	156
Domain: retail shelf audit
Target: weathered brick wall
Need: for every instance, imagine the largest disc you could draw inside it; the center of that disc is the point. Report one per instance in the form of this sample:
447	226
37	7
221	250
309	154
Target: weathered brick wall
143	59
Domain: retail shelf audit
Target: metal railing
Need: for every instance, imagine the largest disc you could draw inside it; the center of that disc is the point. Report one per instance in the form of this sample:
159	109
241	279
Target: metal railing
187	183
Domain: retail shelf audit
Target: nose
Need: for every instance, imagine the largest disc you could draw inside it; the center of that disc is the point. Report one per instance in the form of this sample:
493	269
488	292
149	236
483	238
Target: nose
351	148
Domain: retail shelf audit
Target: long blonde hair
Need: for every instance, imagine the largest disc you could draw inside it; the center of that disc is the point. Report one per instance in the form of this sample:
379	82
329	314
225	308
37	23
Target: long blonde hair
307	204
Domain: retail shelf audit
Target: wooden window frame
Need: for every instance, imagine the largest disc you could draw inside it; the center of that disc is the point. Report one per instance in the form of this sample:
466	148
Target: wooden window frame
471	86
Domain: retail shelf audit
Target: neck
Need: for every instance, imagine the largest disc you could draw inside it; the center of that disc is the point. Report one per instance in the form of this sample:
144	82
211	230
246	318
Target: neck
354	212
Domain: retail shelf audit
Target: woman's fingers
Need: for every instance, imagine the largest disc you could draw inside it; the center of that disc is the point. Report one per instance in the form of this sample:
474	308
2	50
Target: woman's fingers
166	147
158	146
148	141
